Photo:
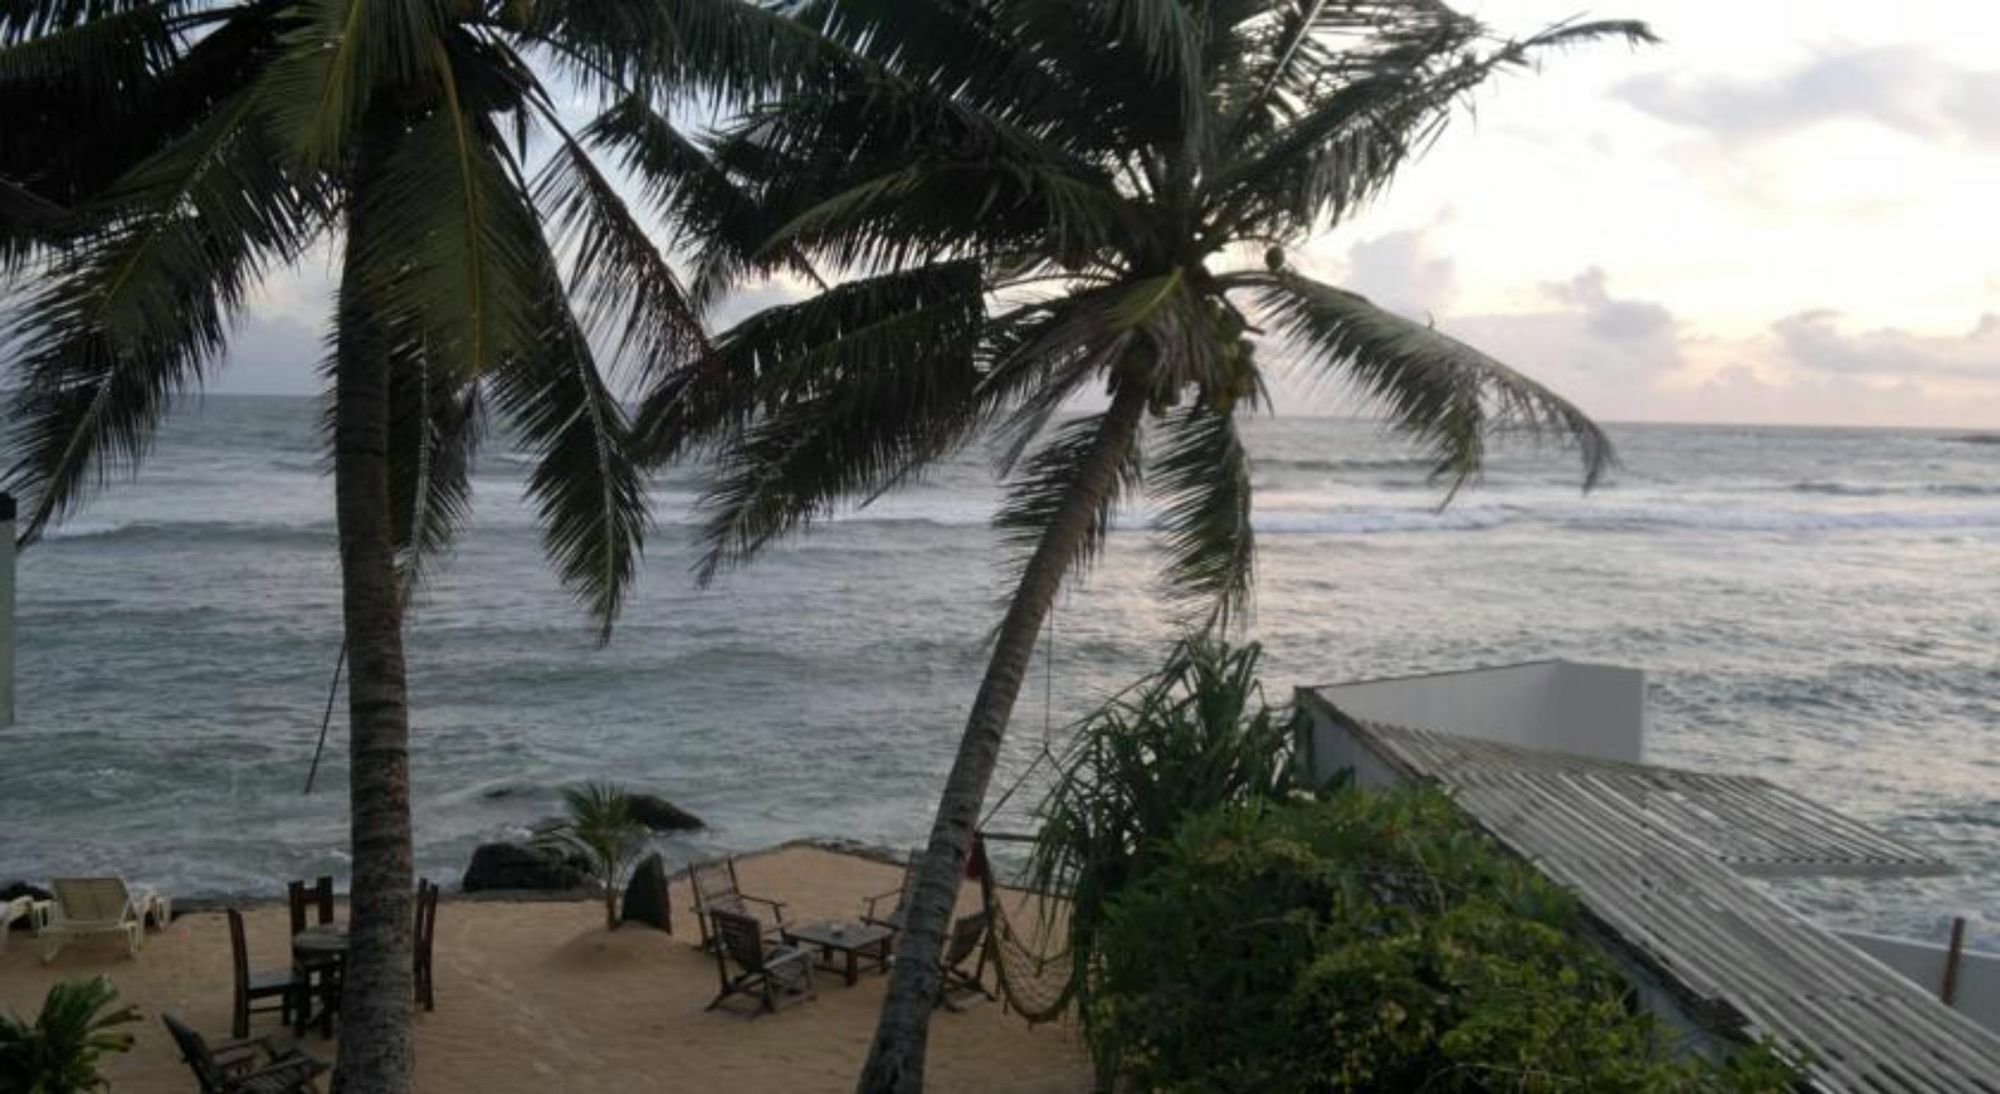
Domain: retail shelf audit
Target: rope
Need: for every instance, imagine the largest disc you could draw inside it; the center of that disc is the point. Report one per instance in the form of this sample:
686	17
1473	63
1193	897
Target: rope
326	719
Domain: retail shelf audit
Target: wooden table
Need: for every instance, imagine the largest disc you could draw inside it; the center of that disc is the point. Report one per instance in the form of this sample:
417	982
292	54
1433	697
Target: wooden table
321	950
853	941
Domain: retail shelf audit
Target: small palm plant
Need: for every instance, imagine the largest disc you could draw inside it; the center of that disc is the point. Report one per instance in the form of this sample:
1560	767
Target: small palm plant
58	1053
602	829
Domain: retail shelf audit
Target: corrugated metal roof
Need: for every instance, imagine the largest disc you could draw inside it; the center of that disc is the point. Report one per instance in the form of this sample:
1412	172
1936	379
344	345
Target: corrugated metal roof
1656	856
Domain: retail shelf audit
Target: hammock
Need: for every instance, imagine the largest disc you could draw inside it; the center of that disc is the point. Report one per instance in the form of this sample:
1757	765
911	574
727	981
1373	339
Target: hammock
1036	981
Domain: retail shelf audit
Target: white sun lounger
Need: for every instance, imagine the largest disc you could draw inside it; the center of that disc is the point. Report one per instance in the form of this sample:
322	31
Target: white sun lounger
100	905
11	910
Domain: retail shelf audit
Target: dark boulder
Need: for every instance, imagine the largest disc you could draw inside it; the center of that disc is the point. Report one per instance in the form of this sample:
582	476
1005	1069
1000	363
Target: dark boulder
14	890
661	815
515	866
646	896
17	889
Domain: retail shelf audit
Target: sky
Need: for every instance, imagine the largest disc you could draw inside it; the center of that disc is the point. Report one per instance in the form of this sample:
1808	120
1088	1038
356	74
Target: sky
1783	213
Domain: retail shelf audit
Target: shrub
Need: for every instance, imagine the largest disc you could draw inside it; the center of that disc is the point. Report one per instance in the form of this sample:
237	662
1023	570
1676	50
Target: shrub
59	1051
1367	942
1195	735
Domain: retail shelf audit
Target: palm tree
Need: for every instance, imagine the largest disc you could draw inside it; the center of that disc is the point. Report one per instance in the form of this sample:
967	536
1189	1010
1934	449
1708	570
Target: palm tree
600	827
1045	201
160	157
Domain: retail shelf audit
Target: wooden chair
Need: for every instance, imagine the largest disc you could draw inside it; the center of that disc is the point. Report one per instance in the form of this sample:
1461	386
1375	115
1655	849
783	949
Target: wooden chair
426	934
309	904
234	1067
716	890
968	936
767	971
303	901
874	916
287	985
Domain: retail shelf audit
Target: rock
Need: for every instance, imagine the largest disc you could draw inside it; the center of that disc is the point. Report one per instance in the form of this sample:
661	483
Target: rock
514	866
502	791
646	896
16	889
661	815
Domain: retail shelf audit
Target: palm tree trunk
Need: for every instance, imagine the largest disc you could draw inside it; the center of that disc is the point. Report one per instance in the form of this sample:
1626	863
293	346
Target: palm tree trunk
896	1058
376	1055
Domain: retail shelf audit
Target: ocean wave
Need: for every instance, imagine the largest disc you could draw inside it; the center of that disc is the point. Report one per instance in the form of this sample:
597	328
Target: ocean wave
1879	490
1377	463
311	532
1786	520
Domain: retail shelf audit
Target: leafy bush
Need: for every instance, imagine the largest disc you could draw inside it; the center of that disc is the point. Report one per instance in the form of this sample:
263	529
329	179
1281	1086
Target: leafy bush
1195	735
59	1051
1367	942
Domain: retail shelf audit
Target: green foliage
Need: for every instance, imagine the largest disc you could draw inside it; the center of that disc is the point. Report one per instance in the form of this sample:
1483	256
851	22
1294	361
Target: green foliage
161	158
1103	168
1193	736
1369	942
601	828
59	1052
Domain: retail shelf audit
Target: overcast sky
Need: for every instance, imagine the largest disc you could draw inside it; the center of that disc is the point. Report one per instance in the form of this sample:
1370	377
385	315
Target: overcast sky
1784	213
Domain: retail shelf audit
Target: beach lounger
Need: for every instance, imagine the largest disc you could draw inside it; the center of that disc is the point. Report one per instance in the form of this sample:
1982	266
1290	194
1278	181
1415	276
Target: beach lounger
879	911
768	971
968	937
11	910
717	890
100	905
244	1067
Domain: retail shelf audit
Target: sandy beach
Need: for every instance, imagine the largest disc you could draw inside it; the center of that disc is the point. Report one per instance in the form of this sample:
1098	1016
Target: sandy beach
537	996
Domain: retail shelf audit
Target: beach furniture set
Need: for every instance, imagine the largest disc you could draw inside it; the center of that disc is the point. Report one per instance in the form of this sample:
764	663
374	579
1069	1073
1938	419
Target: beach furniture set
775	960
307	990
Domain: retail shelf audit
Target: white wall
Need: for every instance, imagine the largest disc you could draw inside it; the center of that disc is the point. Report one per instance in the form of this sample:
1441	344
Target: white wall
1978	994
1589	710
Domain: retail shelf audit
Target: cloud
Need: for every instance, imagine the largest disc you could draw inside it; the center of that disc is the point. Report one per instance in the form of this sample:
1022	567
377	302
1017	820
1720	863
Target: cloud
1399	272
1903	88
1613	319
272	354
1813	341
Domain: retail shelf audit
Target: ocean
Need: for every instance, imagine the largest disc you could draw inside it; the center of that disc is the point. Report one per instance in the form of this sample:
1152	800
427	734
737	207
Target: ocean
1819	607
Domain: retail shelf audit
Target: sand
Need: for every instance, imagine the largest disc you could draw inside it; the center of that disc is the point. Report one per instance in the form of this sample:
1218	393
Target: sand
537	996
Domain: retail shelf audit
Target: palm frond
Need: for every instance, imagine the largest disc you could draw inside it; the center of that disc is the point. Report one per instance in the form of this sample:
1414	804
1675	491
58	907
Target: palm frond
586	485
837	166
115	48
1062	481
725	51
1202	474
1330	148
1442	392
628	295
704	208
337	58
435	427
26	20
854	391
458	252
139	309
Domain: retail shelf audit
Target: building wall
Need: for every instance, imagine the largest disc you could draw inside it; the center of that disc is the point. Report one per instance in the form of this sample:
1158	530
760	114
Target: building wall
1978	994
1588	710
